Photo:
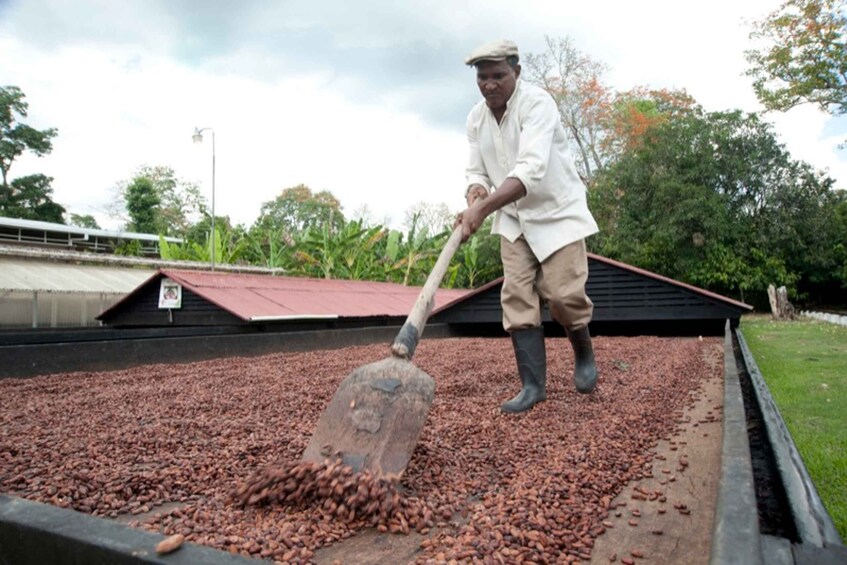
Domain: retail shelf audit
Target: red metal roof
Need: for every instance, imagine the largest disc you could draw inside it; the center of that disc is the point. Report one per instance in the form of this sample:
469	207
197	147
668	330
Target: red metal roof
262	297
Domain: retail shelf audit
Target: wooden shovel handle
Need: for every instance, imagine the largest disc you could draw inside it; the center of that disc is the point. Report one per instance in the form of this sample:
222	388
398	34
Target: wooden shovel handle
407	340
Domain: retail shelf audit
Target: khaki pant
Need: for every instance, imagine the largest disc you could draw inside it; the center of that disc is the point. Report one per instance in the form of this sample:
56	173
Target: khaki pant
559	280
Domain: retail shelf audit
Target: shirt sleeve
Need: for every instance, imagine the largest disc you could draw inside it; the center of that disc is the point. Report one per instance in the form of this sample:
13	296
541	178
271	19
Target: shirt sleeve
538	126
475	172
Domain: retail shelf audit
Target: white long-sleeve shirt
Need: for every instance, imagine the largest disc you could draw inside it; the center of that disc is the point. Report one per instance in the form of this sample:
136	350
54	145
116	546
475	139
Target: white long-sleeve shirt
529	144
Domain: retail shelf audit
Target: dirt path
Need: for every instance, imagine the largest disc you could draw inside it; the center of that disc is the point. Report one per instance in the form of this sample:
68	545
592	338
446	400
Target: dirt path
675	527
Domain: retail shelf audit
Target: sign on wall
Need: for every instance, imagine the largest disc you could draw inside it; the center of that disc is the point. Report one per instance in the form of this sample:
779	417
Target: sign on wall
170	294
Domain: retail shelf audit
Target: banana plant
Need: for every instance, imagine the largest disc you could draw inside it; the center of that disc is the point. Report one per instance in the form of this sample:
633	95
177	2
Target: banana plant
229	248
419	253
327	253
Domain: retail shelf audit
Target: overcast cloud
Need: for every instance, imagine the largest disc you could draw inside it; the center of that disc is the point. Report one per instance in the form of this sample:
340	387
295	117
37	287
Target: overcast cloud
365	99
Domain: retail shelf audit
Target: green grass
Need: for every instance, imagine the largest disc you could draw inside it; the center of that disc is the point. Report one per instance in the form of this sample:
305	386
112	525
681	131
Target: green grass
804	364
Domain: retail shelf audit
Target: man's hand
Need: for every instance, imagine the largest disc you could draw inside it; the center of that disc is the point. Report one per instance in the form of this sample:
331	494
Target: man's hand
480	204
476	192
471	218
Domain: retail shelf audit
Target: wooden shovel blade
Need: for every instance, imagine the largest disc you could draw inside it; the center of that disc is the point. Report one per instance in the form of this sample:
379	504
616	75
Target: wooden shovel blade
375	418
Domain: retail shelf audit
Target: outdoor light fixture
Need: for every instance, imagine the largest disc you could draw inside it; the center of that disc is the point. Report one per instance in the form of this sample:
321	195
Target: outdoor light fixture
198	138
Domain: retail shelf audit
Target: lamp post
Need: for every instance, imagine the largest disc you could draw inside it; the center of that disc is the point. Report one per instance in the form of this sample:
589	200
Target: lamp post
198	138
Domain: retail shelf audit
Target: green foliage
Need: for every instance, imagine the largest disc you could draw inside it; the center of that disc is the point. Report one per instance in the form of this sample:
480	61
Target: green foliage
477	261
298	209
418	253
804	364
228	238
356	251
129	247
348	253
142	200
805	57
839	213
179	208
30	198
713	199
232	245
305	234
725	271
84	221
16	137
180	202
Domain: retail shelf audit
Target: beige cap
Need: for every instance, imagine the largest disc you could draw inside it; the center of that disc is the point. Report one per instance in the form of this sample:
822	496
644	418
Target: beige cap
494	51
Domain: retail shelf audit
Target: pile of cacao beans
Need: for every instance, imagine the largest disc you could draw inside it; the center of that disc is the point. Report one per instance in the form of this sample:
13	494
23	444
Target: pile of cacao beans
211	450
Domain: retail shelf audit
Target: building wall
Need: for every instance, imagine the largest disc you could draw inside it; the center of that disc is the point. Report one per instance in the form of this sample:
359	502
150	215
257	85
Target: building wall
47	292
34	309
142	309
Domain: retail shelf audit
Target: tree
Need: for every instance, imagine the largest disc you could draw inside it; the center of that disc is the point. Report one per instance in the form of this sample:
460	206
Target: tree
805	56
84	221
30	198
142	202
431	217
180	204
200	231
15	138
298	209
575	81
715	200
839	212
635	112
802	221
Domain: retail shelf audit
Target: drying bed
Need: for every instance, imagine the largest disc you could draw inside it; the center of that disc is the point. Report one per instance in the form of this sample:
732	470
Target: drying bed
165	448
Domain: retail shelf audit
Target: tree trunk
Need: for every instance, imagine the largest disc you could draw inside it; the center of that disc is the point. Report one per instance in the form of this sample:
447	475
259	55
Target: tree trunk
786	309
781	308
772	299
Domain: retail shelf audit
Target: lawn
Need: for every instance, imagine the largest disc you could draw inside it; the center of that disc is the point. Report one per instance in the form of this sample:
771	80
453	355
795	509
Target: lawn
804	364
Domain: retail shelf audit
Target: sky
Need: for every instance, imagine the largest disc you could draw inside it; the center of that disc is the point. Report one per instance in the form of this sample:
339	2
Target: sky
364	99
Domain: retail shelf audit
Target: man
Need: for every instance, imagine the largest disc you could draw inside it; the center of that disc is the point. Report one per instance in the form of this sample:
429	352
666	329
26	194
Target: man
518	148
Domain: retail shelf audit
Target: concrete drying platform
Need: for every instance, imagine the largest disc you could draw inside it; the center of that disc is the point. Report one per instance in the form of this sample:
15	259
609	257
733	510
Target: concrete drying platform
667	517
710	508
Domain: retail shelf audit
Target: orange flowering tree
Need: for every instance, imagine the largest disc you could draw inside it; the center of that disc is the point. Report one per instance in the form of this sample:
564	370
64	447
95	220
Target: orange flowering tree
802	56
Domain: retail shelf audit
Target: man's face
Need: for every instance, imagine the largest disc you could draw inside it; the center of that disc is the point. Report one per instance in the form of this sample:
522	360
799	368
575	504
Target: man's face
496	81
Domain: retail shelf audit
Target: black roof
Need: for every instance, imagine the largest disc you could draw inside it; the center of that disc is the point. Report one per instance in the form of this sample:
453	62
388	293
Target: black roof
630	299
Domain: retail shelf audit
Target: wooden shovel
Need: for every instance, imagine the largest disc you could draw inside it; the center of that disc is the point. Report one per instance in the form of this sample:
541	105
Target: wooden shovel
375	418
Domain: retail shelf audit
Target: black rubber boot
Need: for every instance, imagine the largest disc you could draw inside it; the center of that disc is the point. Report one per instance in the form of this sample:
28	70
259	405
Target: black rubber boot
532	367
584	371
